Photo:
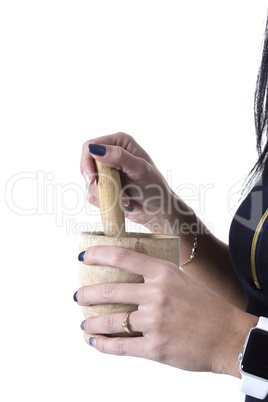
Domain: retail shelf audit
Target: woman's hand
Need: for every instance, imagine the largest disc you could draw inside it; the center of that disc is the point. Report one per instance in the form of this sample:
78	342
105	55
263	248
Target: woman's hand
152	203
183	323
149	200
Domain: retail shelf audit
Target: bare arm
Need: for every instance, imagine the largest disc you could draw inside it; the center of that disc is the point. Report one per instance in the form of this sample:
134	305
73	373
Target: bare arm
213	268
212	265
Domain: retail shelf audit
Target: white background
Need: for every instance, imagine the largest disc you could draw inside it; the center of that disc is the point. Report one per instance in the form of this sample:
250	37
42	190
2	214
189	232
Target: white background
179	76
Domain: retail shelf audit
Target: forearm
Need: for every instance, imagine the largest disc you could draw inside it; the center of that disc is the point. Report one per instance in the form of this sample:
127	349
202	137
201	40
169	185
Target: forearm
212	265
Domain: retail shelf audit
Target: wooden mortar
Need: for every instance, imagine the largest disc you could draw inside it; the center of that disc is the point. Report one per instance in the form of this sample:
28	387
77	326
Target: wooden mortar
113	219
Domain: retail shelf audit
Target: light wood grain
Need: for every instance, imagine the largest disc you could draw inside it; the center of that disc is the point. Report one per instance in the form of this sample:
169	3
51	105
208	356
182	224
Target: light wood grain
110	199
113	219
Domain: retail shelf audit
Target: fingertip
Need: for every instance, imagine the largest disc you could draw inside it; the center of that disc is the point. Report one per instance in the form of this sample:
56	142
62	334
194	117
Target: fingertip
87	166
97	149
128	208
92	341
81	256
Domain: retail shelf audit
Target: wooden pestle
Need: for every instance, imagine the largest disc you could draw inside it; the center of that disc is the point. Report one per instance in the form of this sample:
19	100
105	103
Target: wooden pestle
110	199
113	219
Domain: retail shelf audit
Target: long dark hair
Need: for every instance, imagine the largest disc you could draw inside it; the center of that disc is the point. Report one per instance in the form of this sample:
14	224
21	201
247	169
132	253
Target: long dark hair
261	113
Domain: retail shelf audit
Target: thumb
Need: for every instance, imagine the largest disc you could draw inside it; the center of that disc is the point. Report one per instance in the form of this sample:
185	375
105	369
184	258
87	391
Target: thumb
120	159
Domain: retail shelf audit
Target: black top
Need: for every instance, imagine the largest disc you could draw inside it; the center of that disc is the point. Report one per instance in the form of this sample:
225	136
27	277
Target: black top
248	244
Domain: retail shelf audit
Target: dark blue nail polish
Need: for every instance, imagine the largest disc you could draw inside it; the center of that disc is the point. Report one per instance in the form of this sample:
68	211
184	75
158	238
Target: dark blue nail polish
75	297
92	341
128	208
97	149
81	256
82	326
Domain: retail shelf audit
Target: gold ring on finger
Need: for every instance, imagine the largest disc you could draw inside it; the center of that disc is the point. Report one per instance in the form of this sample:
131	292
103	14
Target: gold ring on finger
125	323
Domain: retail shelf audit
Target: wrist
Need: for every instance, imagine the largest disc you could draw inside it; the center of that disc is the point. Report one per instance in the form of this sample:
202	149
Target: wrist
253	361
234	340
177	218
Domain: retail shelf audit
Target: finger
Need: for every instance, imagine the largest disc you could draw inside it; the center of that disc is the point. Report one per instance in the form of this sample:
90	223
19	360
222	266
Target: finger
118	140
122	140
116	157
87	165
92	195
112	293
128	260
136	347
93	200
112	323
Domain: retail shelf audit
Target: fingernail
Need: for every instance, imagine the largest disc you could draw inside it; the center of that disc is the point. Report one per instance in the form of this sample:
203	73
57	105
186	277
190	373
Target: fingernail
81	256
92	341
75	297
97	149
88	178
82	326
128	208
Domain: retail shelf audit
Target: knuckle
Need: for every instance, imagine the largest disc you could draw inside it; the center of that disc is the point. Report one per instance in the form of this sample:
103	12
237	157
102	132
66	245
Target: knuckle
157	351
170	273
157	320
93	254
120	157
121	254
124	136
119	347
109	322
92	194
92	189
109	290
92	199
115	347
121	134
161	296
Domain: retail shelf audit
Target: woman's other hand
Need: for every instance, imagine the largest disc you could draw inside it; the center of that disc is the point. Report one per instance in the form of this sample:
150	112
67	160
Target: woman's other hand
183	323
